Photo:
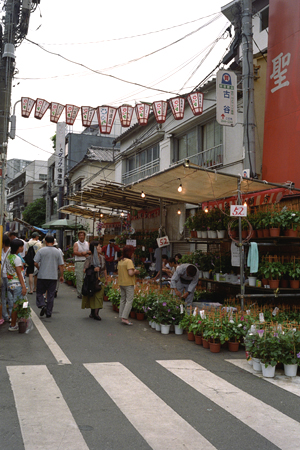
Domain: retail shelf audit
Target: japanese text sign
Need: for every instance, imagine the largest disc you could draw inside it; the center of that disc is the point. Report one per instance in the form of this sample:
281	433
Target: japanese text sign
226	91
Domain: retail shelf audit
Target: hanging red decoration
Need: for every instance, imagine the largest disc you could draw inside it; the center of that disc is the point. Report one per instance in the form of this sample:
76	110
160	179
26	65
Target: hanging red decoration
177	107
142	111
71	114
87	115
26	106
195	100
106	116
125	114
56	110
41	107
160	111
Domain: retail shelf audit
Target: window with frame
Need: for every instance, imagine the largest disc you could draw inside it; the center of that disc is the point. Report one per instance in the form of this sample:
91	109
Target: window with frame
141	164
42	176
264	19
202	145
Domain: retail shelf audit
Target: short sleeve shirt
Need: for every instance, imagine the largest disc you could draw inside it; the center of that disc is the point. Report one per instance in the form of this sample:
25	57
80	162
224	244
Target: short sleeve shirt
49	258
13	261
124	279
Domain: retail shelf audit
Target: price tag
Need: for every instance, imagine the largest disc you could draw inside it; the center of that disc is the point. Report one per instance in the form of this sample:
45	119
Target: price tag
261	317
202	314
275	311
181	309
238	211
163	241
131	242
25	305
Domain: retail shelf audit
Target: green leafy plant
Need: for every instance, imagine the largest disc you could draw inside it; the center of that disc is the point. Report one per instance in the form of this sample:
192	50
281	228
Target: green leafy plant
22	313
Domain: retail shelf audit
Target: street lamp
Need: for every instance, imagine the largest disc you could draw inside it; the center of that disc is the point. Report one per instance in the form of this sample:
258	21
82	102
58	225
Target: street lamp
87	115
26	106
160	111
41	107
195	100
142	111
177	107
106	116
56	110
125	114
71	114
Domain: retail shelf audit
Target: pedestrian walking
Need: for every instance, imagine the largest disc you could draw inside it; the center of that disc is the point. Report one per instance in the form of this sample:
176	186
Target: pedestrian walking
15	277
32	247
95	280
126	280
6	297
81	250
48	259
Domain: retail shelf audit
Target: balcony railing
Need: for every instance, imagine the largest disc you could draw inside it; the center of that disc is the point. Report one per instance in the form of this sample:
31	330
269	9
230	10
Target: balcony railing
141	172
212	157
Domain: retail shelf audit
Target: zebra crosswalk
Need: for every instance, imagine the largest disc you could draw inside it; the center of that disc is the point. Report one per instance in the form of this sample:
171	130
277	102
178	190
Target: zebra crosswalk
40	404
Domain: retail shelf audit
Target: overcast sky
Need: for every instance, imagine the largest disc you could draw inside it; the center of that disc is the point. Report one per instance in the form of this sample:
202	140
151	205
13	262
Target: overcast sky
92	33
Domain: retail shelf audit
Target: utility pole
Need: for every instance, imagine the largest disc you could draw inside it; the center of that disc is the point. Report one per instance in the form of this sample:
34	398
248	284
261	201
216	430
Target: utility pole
248	88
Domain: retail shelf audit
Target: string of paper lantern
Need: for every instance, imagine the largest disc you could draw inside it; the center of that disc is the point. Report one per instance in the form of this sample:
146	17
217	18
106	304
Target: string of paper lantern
106	114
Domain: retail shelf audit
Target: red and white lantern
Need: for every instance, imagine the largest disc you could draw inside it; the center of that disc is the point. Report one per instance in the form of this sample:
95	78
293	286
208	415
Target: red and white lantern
177	107
26	106
87	115
125	114
195	100
56	110
41	107
71	114
106	116
160	111
142	111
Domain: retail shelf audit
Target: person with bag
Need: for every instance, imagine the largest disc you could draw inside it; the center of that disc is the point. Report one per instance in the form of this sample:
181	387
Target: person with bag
31	249
94	281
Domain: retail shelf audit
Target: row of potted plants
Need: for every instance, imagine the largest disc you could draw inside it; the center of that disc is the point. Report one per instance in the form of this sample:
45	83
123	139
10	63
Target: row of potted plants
285	221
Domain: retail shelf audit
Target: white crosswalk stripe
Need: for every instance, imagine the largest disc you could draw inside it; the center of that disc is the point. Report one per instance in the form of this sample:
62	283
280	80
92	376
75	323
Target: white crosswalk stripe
41	407
45	419
159	425
262	418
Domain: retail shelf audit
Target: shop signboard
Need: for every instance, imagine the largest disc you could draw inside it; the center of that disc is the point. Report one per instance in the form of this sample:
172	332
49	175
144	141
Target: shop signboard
226	91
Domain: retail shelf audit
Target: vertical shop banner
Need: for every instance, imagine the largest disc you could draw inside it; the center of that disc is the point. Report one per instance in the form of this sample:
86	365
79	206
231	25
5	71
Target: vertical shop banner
59	171
282	112
226	91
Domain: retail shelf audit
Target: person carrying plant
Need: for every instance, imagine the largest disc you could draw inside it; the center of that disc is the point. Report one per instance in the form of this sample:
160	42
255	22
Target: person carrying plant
184	282
126	280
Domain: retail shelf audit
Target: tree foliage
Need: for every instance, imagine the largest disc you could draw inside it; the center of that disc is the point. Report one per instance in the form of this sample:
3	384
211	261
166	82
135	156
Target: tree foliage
35	213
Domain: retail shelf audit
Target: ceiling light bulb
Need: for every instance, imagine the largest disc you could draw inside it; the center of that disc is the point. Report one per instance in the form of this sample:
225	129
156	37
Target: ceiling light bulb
206	210
245	203
143	194
180	188
101	215
179	212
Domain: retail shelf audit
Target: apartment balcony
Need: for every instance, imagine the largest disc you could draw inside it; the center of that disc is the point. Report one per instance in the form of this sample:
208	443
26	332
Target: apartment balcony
212	157
141	172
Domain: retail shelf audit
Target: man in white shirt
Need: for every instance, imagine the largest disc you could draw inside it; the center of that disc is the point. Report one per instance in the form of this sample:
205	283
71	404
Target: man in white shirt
81	250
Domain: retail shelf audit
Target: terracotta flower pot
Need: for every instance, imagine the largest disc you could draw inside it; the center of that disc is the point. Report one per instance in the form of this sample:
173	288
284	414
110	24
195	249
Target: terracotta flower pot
191	336
294	284
140	316
205	343
233	346
132	314
260	233
254	234
274	284
198	339
292	233
105	298
245	234
215	347
274	232
264	281
266	232
284	283
22	326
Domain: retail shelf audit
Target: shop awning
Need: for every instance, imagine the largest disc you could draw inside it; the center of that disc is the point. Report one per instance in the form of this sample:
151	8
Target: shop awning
59	223
117	196
87	212
198	185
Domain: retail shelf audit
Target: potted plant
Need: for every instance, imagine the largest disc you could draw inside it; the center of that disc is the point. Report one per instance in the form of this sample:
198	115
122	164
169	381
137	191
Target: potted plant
269	350
290	351
114	296
289	222
294	272
23	310
273	271
274	223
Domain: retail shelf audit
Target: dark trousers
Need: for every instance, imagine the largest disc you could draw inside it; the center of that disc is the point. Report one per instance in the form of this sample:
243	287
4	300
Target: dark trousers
110	266
42	287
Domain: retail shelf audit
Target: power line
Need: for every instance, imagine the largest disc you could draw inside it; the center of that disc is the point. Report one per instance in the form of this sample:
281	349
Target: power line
135	36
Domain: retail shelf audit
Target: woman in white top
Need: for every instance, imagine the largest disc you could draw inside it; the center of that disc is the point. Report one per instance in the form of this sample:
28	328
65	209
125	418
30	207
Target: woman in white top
5	294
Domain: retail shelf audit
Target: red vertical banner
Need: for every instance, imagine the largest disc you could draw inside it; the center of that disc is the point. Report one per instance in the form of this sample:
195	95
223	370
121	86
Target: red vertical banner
282	114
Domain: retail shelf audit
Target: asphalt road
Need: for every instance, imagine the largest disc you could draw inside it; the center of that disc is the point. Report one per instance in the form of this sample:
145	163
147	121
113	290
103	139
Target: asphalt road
76	383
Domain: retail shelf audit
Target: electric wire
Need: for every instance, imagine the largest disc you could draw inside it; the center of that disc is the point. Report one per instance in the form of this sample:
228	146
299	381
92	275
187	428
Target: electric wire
134	36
